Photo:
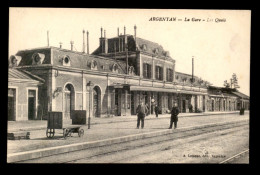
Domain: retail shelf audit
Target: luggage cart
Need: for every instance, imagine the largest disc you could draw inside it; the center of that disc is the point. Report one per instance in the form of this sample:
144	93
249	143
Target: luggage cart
55	121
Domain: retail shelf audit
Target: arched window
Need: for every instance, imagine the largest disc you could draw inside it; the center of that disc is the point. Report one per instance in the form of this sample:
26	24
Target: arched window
69	100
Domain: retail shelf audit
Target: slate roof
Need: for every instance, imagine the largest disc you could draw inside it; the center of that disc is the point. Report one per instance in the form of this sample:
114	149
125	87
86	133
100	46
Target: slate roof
241	95
188	77
143	45
14	73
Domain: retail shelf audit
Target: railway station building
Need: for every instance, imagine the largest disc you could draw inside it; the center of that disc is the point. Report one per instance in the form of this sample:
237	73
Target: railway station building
113	80
23	95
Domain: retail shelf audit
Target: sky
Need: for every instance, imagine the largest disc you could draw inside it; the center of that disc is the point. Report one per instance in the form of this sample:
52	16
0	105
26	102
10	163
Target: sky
219	48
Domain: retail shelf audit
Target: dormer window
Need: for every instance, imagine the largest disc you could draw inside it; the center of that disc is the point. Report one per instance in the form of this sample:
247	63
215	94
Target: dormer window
94	65
14	60
156	51
131	70
37	58
115	68
144	47
66	61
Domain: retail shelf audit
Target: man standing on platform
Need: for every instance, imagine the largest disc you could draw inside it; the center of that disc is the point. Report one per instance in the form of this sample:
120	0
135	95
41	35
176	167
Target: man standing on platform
156	109
174	116
141	112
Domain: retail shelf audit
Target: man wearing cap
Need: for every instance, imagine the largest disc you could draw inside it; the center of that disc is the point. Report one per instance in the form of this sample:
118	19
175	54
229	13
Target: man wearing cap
174	116
141	112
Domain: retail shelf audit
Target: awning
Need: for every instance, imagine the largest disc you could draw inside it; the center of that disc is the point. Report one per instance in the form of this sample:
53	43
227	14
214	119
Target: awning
170	90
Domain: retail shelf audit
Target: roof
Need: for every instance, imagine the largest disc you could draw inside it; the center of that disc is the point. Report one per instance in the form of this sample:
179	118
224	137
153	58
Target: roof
188	78
54	56
143	45
239	94
150	46
14	73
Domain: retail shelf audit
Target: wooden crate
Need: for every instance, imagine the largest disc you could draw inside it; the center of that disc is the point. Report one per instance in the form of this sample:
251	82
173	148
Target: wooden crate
79	117
54	120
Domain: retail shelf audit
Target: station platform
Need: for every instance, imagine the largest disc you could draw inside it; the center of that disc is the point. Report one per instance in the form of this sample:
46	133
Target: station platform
106	130
30	125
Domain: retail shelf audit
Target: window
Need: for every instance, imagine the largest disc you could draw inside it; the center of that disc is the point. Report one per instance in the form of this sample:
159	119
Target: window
169	75
66	60
37	58
147	70
93	65
115	68
159	73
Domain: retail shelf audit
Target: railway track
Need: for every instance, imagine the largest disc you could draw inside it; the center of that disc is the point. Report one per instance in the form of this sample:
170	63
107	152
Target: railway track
237	156
73	157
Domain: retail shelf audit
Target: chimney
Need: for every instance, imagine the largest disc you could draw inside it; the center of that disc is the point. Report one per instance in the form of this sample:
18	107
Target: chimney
83	41
71	43
60	45
118	31
135	35
101	32
124	30
105	43
87	44
48	38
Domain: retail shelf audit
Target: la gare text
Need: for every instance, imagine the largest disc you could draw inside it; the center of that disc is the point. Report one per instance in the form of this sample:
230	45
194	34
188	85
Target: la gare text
217	20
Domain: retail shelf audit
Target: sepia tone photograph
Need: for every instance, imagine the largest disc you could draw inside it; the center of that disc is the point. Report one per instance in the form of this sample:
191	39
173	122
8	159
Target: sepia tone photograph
127	86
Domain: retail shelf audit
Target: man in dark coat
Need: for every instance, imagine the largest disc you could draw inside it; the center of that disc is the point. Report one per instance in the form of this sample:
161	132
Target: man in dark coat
156	110
174	116
141	111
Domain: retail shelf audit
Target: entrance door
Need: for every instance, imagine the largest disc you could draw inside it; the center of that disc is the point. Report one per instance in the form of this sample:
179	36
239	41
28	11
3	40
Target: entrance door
67	104
95	103
69	97
132	104
183	106
11	104
212	105
31	105
11	109
117	102
204	105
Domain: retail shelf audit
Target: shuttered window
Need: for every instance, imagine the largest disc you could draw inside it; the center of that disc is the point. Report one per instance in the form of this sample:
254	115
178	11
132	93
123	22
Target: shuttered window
169	75
147	71
159	73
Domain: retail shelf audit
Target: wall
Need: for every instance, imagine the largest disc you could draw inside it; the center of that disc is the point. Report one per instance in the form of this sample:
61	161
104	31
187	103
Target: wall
21	108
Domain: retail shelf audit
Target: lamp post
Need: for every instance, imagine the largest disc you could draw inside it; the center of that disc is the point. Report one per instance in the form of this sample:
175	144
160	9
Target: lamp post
89	88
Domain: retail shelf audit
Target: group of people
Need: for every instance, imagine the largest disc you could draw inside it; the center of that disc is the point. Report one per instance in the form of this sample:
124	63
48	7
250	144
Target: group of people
142	111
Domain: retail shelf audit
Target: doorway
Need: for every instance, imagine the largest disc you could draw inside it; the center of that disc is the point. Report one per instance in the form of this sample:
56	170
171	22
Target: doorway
69	97
212	105
132	103
96	101
183	106
11	104
32	105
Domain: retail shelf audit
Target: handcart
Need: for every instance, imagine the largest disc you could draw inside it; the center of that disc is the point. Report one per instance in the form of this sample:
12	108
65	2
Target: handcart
55	121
